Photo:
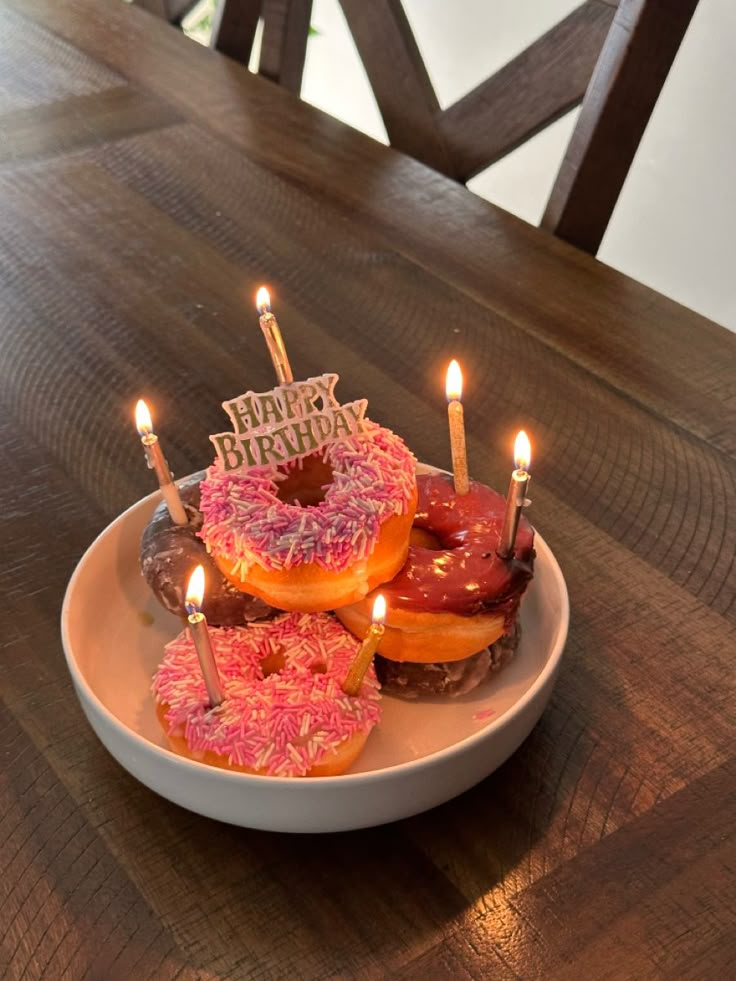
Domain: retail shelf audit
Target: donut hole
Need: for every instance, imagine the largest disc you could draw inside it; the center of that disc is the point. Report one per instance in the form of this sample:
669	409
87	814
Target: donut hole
273	663
318	668
421	538
304	482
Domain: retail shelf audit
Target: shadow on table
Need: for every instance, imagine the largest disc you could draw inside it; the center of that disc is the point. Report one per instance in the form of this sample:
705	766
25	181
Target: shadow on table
339	904
366	903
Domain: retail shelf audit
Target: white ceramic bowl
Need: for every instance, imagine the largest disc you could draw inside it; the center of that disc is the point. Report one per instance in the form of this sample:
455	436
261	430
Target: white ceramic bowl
422	753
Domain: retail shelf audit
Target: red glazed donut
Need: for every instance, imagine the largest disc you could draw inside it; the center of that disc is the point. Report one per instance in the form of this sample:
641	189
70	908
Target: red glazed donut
284	712
454	596
320	533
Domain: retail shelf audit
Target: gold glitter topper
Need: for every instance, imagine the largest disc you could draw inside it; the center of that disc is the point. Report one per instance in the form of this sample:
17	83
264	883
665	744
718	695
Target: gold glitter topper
290	421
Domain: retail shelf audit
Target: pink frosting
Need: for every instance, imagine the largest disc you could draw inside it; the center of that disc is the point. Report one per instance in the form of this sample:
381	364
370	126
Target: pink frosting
246	523
284	723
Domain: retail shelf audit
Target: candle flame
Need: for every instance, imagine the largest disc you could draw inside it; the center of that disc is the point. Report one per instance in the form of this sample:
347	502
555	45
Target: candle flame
263	300
143	419
522	451
379	609
454	382
195	591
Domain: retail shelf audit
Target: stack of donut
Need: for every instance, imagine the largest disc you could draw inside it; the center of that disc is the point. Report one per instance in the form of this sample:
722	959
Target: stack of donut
326	533
305	537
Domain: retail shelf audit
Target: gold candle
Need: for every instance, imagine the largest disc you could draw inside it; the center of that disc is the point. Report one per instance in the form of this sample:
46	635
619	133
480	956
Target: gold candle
456	419
354	678
516	496
272	333
201	636
157	463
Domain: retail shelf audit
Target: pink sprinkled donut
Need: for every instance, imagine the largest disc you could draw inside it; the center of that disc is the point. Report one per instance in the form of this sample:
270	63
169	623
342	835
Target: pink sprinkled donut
284	712
318	534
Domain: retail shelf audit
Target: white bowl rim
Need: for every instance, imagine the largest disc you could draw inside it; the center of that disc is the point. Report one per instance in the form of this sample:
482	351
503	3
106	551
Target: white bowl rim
369	776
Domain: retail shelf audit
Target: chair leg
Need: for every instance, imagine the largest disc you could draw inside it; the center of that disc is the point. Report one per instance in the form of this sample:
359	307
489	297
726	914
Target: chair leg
234	28
628	77
399	79
284	46
170	10
285	34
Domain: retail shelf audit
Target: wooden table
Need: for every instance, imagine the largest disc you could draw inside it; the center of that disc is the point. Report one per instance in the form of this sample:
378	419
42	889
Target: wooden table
146	187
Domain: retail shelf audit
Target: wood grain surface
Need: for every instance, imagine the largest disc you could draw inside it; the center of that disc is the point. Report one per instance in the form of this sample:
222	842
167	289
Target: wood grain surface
147	186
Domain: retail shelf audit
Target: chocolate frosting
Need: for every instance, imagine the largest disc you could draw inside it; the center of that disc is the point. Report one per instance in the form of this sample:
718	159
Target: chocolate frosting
410	679
170	552
465	575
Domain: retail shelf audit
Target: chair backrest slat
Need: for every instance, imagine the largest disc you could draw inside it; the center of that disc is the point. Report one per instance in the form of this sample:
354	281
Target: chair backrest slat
533	90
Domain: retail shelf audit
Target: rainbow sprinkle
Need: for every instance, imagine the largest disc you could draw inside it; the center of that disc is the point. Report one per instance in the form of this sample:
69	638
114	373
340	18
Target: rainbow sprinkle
245	522
284	723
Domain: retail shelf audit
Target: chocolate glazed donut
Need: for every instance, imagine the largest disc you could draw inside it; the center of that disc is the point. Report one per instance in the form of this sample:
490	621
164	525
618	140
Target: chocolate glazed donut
170	552
410	679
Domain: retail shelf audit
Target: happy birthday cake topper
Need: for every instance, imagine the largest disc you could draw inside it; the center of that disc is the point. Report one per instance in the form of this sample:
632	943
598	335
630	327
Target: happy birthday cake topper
289	422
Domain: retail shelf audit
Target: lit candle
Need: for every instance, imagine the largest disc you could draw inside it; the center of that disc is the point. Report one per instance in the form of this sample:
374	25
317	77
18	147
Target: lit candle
272	333
157	463
454	391
201	636
516	497
354	679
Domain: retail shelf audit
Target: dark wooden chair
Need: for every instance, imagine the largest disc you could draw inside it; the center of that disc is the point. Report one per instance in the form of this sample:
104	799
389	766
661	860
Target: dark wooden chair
613	56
